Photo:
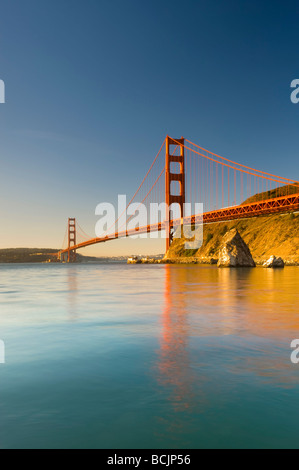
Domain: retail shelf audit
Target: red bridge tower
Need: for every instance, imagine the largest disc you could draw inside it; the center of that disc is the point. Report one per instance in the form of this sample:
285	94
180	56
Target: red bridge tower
72	257
170	176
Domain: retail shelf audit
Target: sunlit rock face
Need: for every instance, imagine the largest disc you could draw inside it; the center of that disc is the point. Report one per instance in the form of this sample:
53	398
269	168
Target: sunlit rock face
234	252
274	262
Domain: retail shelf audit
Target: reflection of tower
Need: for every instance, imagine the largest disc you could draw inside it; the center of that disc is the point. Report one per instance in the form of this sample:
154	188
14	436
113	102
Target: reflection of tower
174	362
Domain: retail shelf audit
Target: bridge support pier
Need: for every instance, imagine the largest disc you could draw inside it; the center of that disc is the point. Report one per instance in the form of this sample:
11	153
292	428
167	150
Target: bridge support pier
170	176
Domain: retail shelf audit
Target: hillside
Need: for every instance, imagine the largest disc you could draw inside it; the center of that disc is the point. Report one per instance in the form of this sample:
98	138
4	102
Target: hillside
273	193
265	236
33	255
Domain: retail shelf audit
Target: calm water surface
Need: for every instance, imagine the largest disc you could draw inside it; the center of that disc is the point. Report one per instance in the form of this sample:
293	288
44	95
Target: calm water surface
117	356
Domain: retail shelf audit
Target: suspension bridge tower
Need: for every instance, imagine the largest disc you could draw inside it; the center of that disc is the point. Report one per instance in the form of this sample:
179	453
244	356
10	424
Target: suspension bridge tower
172	196
71	254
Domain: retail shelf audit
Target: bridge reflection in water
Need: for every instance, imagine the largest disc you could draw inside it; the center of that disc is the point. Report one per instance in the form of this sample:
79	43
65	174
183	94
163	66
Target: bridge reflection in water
222	330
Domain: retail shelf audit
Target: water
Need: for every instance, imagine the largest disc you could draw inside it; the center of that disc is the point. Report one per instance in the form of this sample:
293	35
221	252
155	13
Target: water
117	356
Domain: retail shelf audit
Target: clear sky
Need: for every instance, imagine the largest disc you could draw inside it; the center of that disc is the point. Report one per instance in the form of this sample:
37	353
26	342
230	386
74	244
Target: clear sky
93	88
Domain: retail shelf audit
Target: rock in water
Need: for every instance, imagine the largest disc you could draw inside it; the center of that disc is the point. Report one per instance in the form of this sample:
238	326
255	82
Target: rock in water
234	252
274	262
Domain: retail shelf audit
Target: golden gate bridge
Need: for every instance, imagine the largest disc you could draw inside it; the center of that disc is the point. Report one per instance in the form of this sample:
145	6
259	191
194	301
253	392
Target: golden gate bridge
183	172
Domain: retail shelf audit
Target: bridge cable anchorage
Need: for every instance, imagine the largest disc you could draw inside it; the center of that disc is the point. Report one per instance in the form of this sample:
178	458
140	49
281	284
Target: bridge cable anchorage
193	174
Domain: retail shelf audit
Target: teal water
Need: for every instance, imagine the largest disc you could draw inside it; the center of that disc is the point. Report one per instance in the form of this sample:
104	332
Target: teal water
117	356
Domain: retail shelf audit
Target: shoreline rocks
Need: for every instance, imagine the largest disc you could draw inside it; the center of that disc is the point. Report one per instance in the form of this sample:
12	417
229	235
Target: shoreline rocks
274	262
234	252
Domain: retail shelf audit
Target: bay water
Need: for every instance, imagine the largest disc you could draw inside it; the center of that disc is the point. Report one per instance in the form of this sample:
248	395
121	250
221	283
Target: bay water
116	356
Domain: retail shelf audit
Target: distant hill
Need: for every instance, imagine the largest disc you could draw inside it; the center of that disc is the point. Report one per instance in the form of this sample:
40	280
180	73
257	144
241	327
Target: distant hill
34	255
273	193
43	255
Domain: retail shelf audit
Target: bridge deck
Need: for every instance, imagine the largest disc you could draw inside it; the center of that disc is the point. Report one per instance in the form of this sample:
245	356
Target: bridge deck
270	206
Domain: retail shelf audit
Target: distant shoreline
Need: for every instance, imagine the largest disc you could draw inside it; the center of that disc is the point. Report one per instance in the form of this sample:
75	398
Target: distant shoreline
43	256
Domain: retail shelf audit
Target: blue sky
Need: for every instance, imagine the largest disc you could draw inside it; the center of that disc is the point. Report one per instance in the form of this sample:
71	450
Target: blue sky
93	87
